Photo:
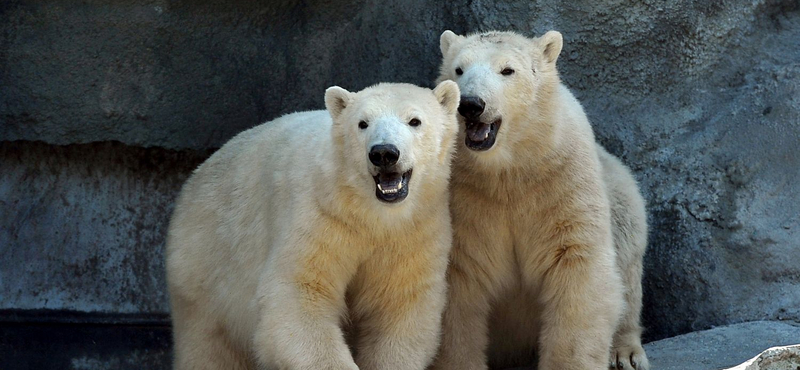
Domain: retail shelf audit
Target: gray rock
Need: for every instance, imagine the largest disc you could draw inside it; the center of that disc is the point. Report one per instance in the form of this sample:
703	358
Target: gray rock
701	99
775	358
720	347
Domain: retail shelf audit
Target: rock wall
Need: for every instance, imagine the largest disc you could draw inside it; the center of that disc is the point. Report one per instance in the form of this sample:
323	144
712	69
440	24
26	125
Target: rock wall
106	106
83	225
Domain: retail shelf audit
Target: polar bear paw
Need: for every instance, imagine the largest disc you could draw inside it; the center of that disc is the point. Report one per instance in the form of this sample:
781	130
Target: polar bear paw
629	357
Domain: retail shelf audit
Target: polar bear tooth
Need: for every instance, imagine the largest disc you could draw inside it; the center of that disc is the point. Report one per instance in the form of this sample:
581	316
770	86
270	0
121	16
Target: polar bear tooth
387	191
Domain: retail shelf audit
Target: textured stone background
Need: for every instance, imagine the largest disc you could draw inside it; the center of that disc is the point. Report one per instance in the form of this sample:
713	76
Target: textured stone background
107	105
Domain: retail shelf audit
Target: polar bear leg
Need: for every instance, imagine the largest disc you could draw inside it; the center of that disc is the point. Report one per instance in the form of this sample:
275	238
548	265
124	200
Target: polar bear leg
629	227
292	335
627	351
301	305
465	332
201	342
581	305
481	265
399	323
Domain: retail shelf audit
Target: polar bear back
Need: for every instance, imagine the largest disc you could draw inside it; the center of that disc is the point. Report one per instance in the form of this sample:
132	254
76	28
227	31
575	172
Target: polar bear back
235	208
263	167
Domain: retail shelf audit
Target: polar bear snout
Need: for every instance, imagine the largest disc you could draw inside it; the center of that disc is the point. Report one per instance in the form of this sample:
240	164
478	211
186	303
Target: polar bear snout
391	183
471	107
480	135
384	155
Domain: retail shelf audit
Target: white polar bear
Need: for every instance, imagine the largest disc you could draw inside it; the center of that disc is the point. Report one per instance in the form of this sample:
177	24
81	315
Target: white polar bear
549	229
316	225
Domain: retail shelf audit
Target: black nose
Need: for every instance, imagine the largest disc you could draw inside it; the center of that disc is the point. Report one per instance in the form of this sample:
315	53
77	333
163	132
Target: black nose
471	107
384	155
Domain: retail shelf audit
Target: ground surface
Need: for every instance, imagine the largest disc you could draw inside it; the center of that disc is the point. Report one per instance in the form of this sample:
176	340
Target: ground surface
107	347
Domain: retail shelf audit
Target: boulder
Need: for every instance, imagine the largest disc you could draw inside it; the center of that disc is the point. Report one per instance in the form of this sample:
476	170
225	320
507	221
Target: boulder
727	346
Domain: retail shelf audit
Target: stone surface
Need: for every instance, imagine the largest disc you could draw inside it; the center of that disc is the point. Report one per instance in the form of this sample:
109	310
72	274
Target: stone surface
775	358
82	226
720	347
700	98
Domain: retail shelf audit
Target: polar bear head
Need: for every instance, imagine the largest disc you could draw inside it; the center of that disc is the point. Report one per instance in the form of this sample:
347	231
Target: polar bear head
395	140
506	80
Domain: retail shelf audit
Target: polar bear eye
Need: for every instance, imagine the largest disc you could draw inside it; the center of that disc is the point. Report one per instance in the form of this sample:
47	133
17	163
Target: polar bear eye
362	125
507	72
459	71
414	122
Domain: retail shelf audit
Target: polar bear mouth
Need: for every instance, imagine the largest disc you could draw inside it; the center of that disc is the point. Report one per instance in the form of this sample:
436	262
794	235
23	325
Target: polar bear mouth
481	136
391	187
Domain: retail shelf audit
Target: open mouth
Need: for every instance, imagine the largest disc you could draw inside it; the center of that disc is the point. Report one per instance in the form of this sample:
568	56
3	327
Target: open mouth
392	187
481	136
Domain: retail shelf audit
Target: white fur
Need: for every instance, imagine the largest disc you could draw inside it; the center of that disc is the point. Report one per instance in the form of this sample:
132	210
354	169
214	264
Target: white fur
280	256
549	229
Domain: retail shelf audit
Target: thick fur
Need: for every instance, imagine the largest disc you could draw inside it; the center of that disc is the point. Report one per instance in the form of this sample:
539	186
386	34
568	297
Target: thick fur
279	251
549	229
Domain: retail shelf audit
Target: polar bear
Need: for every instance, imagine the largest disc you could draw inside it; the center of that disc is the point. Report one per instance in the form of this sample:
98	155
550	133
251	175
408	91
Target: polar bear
549	229
319	233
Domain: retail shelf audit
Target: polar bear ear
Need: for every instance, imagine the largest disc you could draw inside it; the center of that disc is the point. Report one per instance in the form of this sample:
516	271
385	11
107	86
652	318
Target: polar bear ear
447	40
336	100
448	95
550	45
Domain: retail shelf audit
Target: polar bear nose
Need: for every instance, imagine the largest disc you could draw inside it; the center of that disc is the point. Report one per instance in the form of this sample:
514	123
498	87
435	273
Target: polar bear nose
471	107
384	155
